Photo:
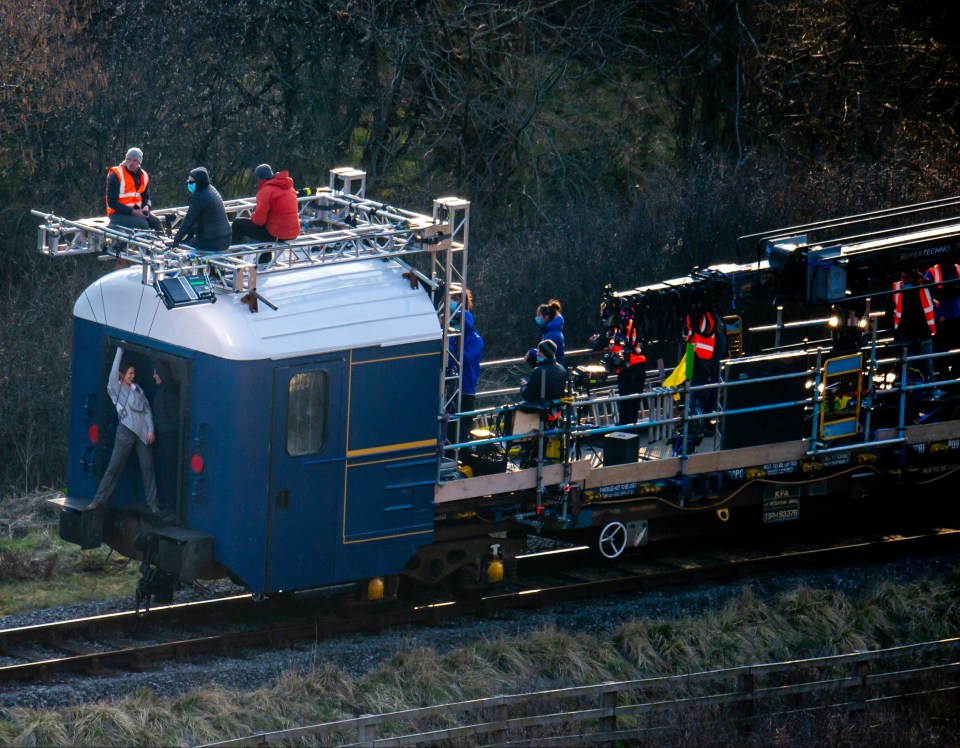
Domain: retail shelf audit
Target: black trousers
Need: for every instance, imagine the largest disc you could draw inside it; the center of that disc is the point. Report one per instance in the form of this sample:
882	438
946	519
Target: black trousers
140	224
245	230
947	339
630	381
166	468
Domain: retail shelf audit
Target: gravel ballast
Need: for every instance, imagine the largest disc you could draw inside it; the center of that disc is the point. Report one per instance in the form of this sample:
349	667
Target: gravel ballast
358	654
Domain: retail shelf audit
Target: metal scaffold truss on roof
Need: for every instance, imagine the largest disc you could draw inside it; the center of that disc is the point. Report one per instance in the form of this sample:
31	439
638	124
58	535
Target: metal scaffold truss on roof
340	224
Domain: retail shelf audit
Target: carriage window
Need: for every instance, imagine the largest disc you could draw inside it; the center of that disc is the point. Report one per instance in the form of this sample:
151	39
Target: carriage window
306	412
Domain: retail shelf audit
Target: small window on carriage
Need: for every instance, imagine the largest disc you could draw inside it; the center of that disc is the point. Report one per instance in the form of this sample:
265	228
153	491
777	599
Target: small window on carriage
306	412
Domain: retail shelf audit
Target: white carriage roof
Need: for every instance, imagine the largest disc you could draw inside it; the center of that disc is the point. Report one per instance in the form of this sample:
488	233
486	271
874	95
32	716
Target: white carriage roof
323	309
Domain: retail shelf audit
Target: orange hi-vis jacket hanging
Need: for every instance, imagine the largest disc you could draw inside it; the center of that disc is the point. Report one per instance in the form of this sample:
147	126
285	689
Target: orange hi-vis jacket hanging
634	352
705	339
129	193
926	300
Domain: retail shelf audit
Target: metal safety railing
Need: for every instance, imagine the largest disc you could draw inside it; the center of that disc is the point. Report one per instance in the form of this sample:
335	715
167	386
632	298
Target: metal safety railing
672	414
353	229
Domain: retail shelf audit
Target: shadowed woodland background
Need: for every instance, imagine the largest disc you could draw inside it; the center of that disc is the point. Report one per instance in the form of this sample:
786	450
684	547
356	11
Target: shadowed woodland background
599	141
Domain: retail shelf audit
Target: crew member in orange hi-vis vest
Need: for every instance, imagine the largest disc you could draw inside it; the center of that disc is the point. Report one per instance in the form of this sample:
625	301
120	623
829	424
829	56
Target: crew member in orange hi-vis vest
622	344
704	330
945	279
128	194
914	320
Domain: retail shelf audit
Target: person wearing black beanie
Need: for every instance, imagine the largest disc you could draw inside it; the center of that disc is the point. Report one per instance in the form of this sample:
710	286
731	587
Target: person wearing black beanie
549	379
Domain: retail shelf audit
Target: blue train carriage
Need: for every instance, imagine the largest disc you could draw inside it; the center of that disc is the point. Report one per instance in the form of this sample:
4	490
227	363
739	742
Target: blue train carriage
306	453
304	445
307	443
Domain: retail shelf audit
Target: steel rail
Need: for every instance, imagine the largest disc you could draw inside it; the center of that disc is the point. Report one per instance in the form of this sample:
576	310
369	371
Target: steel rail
565	579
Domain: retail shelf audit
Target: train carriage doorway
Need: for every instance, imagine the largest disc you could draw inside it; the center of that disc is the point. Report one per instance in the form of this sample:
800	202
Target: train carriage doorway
306	474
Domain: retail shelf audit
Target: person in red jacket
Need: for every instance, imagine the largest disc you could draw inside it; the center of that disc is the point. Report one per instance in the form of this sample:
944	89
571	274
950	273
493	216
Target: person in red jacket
277	215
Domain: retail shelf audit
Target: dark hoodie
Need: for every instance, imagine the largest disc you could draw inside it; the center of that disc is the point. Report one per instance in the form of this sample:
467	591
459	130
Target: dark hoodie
547	381
205	227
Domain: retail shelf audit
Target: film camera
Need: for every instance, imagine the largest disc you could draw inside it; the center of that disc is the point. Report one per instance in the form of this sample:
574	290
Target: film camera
611	362
592	375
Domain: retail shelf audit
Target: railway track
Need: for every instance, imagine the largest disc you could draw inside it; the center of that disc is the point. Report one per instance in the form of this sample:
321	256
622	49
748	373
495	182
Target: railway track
222	627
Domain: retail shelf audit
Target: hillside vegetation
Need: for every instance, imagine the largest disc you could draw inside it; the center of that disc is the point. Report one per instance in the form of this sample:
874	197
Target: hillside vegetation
599	141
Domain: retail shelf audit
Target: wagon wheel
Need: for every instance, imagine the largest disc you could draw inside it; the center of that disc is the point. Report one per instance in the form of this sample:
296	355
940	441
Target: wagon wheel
613	540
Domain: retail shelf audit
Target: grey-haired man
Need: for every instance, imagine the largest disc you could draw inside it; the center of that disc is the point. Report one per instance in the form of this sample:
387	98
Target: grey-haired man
128	194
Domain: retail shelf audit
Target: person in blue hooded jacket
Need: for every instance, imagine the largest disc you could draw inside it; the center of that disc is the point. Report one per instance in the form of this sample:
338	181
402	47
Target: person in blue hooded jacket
550	322
205	227
461	315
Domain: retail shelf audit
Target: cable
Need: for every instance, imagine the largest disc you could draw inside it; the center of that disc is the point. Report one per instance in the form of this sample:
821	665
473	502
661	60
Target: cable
739	489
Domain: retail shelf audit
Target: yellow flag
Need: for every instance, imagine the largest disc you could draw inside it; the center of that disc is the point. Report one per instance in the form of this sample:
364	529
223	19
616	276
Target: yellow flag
682	372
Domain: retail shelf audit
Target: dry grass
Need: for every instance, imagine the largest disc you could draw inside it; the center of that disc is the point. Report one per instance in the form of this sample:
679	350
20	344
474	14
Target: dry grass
38	570
804	622
22	514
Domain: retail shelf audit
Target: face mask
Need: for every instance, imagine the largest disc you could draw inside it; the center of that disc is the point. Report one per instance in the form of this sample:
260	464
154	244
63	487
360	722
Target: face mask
453	306
539	321
540	359
191	186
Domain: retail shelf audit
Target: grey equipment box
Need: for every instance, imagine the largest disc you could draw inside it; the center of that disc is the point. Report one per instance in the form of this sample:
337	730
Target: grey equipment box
184	553
621	448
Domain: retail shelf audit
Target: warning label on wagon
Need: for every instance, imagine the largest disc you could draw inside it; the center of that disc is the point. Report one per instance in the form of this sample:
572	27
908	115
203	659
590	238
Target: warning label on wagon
781	503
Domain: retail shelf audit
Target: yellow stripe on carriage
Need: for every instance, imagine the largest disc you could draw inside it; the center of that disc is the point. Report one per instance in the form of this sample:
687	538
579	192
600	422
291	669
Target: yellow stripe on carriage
391	448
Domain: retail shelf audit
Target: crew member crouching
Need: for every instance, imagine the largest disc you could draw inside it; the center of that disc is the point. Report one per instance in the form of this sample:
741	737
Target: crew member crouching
548	380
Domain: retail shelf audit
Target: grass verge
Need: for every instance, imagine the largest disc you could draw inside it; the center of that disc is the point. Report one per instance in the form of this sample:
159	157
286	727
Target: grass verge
804	622
38	570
